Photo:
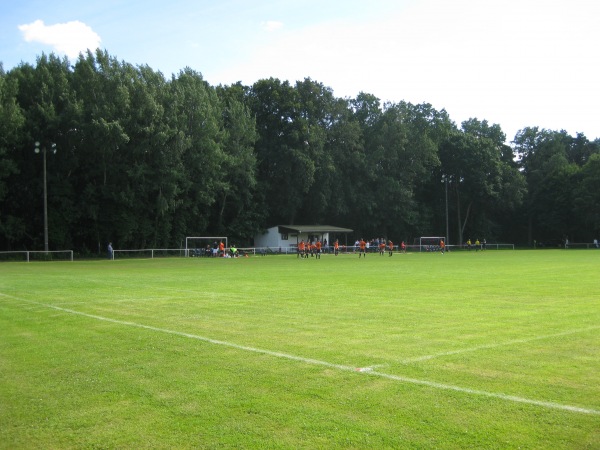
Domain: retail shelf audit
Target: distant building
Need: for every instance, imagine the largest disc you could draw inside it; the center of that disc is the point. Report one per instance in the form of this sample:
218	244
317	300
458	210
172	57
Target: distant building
286	236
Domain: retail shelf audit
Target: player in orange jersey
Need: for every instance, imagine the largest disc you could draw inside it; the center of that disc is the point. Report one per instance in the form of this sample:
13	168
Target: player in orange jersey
362	248
301	249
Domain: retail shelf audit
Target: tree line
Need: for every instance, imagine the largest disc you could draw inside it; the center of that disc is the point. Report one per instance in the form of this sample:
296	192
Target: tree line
144	161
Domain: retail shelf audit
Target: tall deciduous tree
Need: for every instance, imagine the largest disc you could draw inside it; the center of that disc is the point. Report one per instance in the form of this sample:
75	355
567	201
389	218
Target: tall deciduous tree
551	162
11	123
286	169
587	198
49	108
144	161
107	197
197	115
235	211
475	161
346	180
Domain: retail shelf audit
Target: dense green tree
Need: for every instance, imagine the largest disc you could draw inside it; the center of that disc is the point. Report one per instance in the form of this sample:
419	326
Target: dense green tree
235	211
316	114
286	169
400	157
107	200
426	128
587	198
197	114
345	181
145	161
11	123
552	162
483	182
49	109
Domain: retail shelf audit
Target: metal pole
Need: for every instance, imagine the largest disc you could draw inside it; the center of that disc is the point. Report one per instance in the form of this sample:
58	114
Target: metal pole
37	149
447	233
45	205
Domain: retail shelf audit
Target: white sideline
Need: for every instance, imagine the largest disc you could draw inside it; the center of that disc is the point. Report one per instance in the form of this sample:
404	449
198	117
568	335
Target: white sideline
367	371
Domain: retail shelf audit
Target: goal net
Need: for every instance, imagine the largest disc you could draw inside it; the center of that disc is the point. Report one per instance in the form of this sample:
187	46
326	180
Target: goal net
202	245
430	243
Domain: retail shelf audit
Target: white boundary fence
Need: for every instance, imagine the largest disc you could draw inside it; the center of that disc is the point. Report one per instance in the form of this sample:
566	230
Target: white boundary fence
34	255
149	253
28	254
344	249
488	246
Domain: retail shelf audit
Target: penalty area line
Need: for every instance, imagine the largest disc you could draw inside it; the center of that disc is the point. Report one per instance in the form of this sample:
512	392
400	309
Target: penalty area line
368	371
501	344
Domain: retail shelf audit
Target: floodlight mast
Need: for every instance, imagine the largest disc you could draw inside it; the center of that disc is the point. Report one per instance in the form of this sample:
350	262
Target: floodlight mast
43	150
445	180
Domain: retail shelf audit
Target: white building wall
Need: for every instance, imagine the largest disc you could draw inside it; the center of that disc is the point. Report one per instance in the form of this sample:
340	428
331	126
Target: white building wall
272	239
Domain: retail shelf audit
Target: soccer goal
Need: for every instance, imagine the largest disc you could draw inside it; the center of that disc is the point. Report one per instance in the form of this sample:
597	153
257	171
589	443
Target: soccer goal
430	243
197	245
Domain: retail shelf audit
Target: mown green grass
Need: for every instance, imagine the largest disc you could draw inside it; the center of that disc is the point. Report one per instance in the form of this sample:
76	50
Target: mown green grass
261	352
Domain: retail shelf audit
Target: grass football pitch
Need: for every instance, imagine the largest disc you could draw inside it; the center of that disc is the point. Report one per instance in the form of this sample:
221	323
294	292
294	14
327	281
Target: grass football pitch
495	350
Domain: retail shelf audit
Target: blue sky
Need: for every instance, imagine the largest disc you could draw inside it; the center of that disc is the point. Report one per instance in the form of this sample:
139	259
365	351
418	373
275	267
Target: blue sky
516	63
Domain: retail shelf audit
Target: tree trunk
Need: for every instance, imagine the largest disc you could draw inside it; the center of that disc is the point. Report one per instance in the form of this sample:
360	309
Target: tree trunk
459	220
466	218
221	213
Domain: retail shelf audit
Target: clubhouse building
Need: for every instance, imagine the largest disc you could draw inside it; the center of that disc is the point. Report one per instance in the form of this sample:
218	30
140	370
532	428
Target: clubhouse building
286	236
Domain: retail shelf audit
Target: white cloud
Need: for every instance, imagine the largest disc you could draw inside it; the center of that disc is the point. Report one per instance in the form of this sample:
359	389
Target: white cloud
272	25
510	62
70	38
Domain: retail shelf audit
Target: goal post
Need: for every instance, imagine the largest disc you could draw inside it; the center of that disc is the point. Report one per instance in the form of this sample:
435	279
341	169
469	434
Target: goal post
200	242
430	243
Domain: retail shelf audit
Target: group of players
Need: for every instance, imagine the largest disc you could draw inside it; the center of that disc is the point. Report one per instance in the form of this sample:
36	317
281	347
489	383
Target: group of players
381	245
306	249
363	247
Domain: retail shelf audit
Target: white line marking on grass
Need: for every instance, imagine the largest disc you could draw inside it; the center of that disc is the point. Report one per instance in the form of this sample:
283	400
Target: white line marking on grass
367	371
502	344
